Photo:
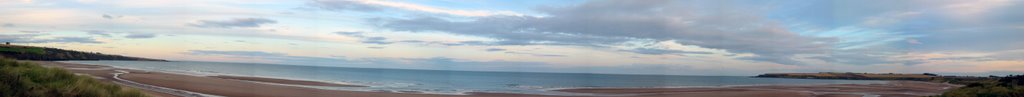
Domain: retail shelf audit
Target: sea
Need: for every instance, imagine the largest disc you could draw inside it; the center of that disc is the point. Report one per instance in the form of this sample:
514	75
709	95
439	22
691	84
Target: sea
454	82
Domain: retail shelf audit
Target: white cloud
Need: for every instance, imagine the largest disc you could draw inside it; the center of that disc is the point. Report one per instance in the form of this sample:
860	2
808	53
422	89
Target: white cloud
969	9
372	4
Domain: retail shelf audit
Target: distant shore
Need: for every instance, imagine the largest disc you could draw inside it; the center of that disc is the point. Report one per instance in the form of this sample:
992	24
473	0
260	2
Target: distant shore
239	86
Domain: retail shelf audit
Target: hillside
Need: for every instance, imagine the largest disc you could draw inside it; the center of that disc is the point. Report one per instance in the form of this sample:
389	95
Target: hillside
54	54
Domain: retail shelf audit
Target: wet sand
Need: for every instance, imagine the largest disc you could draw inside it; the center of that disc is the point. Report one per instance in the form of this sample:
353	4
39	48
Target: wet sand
243	87
286	81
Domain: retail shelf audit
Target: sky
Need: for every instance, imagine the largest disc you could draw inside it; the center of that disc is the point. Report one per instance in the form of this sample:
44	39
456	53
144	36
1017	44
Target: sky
671	37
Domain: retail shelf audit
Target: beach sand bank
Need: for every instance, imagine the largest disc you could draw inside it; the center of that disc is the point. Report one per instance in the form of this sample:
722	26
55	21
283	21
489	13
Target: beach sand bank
236	86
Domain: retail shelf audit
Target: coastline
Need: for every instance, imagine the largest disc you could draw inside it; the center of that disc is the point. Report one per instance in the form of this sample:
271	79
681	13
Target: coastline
241	86
285	81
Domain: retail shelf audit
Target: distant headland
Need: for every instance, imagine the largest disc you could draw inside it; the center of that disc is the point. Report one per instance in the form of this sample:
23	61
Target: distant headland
881	76
20	52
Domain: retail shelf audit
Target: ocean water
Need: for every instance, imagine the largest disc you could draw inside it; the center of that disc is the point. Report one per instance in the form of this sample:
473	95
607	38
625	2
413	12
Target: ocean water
454	82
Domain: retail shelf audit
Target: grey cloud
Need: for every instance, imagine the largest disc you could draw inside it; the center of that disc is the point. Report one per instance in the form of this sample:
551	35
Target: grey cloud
535	54
1007	56
233	23
344	5
375	47
35	38
31	31
412	41
73	40
376	40
972	38
861	58
99	32
140	35
773	59
106	16
350	34
235	53
494	49
654	51
364	38
461	43
8	25
602	23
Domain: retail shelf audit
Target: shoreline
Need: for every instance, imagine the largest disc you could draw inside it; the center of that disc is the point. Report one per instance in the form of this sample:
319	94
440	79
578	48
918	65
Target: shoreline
285	81
244	86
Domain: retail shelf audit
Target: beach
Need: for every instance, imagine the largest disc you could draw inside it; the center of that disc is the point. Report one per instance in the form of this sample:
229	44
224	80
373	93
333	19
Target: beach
240	86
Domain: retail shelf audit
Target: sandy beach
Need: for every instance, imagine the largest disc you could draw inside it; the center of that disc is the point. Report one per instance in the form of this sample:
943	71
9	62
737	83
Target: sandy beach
236	86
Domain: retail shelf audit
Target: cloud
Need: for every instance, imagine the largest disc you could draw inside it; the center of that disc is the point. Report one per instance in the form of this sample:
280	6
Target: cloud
36	38
375	47
862	57
653	51
71	40
535	54
914	41
602	23
364	38
379	5
235	53
140	35
344	5
233	23
8	25
31	31
494	49
99	32
412	41
106	16
376	40
350	34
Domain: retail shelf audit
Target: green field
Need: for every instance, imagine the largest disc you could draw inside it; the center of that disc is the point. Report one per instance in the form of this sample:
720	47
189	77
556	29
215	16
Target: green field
23	50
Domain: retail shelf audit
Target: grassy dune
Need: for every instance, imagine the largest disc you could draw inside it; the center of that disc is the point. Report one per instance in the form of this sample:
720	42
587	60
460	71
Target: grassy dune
21	79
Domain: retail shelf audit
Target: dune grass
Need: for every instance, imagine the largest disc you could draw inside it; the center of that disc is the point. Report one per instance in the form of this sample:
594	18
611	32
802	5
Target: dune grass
21	79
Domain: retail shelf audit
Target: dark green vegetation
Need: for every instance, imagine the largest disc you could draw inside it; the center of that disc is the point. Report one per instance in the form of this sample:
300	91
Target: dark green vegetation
23	50
992	86
54	54
20	79
1009	86
881	76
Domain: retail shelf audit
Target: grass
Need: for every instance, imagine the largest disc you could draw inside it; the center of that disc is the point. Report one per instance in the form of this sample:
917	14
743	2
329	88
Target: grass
21	79
23	50
1009	86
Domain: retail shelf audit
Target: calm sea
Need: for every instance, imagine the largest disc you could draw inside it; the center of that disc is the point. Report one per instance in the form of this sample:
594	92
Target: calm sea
454	82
